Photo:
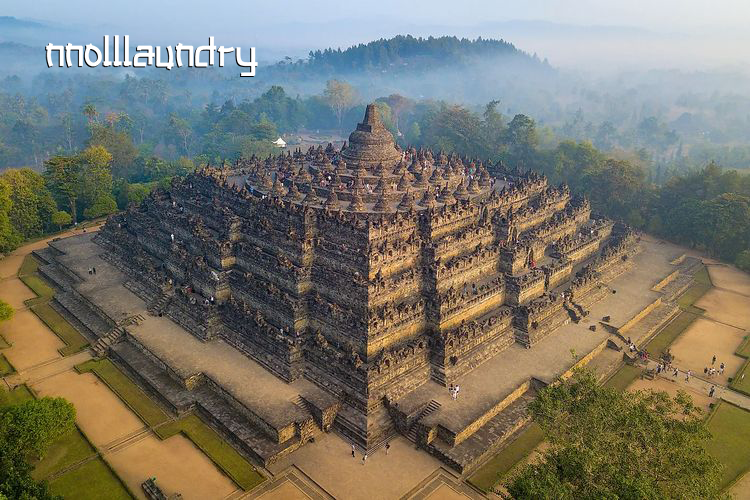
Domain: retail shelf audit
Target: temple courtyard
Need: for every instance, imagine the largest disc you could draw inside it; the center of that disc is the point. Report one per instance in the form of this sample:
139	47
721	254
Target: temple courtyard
133	451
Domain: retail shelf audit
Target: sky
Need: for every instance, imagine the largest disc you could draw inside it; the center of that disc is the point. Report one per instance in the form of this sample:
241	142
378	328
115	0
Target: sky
654	32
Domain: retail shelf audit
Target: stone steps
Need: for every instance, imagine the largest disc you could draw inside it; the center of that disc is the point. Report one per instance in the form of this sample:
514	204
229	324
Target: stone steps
57	276
85	315
432	407
488	439
99	349
244	434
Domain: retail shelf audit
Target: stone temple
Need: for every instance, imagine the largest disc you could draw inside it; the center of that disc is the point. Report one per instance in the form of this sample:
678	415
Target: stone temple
345	290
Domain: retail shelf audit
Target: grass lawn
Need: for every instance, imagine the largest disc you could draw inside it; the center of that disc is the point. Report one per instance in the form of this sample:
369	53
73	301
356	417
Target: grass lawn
5	367
499	465
739	383
138	401
38	286
17	395
623	377
218	450
730	428
93	480
74	341
29	266
702	284
66	451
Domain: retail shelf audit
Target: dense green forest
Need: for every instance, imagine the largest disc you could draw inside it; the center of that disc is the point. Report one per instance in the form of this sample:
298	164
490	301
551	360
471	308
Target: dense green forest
707	208
93	144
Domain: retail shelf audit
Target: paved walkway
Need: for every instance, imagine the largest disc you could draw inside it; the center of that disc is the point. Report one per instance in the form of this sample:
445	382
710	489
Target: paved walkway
704	385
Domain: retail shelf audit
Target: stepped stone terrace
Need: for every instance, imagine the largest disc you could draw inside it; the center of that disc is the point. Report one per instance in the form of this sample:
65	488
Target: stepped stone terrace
346	290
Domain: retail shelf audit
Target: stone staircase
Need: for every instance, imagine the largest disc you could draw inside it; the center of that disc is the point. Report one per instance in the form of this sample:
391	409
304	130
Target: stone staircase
90	319
494	434
157	307
432	407
99	349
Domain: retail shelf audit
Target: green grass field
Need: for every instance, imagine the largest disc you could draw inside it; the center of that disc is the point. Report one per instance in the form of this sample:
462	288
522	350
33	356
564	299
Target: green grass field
17	395
5	367
93	480
218	450
498	466
138	401
741	380
29	266
623	377
730	430
702	284
74	341
40	287
66	451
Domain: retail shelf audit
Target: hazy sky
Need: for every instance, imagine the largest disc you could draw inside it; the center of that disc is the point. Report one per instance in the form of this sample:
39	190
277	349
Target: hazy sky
234	15
679	32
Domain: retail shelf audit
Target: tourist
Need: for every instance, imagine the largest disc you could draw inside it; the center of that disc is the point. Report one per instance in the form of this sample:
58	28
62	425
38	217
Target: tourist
711	391
687	375
93	269
721	369
456	389
713	360
364	458
354	452
674	375
705	371
387	447
90	271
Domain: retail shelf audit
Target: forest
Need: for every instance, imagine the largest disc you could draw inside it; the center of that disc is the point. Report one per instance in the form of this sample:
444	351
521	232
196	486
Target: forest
82	146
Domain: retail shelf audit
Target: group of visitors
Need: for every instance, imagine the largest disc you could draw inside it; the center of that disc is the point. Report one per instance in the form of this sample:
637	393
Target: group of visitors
710	372
453	389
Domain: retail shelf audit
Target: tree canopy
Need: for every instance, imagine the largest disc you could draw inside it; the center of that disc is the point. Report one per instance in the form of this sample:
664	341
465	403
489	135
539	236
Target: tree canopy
26	431
606	443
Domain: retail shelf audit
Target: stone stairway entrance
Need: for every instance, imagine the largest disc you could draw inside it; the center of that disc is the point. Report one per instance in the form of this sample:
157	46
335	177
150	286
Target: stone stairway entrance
430	408
99	349
159	305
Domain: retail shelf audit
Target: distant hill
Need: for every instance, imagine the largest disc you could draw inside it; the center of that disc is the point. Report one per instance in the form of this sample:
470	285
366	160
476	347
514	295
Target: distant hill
409	53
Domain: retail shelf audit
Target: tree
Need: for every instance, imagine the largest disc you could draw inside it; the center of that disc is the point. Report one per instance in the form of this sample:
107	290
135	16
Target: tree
63	177
119	144
89	110
522	141
9	237
84	177
606	443
340	97
104	204
26	431
743	260
61	218
398	105
32	203
182	129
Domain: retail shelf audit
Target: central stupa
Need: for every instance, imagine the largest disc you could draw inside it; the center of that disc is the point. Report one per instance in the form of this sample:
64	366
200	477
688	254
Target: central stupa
371	143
